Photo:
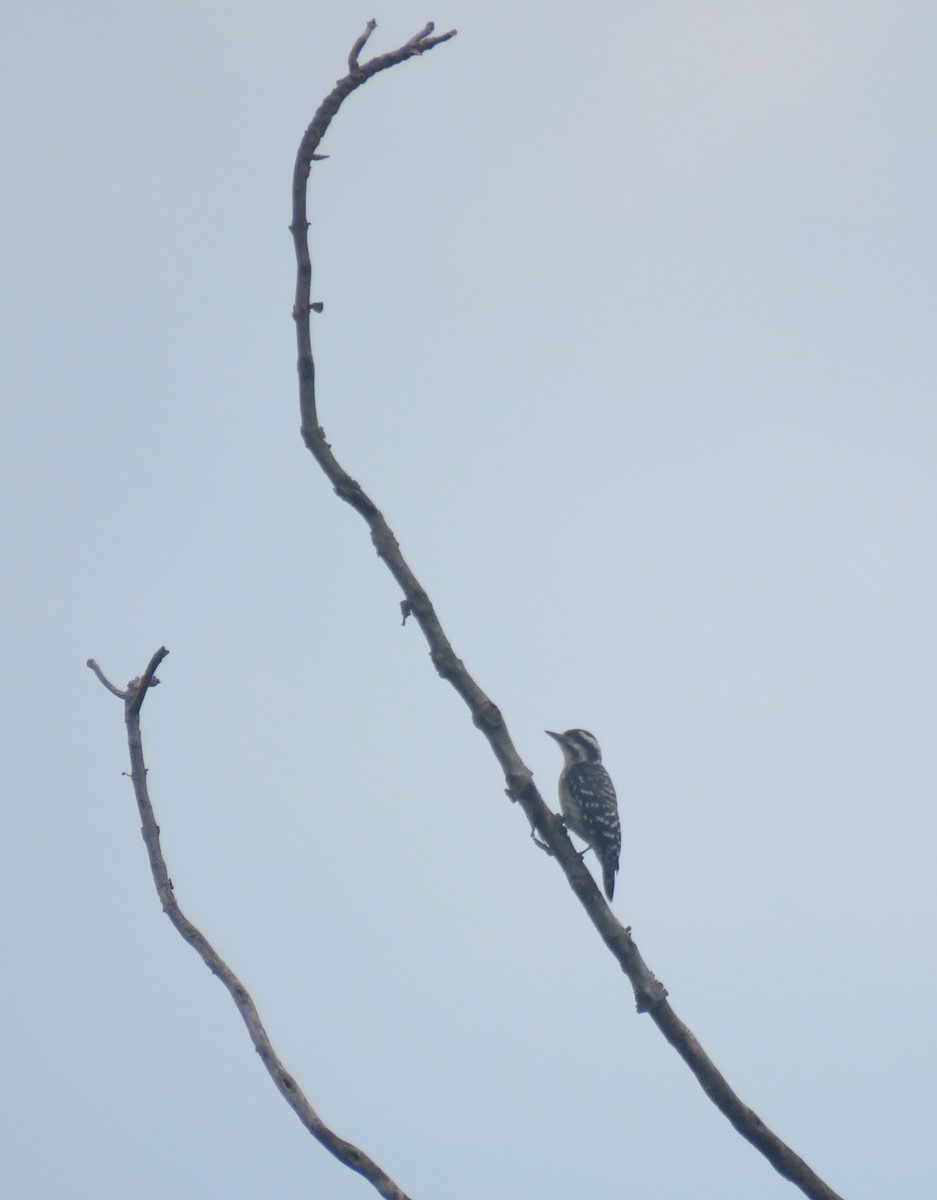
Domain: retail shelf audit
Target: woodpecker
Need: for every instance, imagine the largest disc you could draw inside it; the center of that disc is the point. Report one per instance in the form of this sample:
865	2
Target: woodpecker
587	800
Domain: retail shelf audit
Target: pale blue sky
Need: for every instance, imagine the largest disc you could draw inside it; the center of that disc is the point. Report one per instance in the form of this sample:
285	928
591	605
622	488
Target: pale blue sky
629	330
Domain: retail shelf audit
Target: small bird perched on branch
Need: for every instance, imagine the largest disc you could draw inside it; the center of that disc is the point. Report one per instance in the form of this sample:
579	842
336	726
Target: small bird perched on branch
588	802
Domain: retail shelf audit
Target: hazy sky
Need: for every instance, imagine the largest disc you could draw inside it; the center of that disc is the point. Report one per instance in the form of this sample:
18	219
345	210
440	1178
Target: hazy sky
629	329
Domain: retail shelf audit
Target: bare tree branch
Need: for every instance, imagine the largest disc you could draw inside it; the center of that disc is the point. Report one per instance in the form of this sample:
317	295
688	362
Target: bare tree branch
548	831
359	45
346	1152
357	75
115	691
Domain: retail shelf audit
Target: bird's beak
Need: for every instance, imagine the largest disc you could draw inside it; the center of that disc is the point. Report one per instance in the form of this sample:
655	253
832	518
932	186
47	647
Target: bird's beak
557	737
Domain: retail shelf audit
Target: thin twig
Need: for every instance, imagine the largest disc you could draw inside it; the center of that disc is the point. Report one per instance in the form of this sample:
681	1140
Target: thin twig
650	994
115	691
359	45
421	36
346	1152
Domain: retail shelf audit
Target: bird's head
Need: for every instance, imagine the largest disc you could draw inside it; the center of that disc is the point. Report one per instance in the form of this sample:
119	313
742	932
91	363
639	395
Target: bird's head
578	745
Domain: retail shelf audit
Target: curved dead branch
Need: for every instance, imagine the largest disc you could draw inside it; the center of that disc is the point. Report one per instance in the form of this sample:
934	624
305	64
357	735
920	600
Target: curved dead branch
650	995
346	1152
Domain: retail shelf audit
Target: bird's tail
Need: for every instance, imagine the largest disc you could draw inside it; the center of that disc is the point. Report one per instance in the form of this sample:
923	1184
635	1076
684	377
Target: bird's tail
608	878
